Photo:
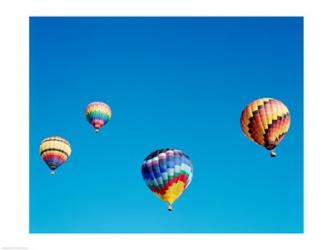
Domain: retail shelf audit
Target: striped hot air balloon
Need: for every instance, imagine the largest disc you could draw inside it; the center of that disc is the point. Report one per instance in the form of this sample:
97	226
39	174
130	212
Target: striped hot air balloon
98	114
265	121
167	173
54	151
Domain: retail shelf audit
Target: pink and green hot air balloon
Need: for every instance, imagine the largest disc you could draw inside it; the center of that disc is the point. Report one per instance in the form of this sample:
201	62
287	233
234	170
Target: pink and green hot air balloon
98	114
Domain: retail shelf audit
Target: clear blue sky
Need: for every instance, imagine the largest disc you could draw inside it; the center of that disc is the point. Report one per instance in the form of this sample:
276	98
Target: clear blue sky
171	82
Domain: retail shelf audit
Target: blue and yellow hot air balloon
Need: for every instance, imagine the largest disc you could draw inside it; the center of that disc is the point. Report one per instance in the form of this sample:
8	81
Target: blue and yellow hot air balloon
167	173
98	114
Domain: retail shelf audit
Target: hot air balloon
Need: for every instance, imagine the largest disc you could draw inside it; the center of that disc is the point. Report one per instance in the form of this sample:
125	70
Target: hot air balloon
98	114
265	121
167	173
54	150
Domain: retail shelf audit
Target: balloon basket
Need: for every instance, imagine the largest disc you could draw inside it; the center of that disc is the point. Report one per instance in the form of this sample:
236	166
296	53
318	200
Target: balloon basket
273	154
52	172
169	208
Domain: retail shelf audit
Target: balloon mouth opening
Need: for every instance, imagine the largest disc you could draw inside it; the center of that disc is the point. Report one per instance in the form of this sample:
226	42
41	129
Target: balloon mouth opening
270	145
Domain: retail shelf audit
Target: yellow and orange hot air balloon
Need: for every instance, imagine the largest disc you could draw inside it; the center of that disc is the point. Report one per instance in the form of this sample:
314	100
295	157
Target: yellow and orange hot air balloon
265	121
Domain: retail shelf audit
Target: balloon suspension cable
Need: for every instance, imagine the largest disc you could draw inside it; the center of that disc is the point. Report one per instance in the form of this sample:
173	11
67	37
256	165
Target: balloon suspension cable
273	154
52	172
169	207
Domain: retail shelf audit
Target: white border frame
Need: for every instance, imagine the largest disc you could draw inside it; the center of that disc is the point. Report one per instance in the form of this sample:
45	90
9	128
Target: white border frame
14	82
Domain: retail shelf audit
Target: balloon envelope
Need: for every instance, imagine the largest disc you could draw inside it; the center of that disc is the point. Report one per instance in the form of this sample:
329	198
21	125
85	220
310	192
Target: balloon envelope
265	121
54	151
98	114
167	173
